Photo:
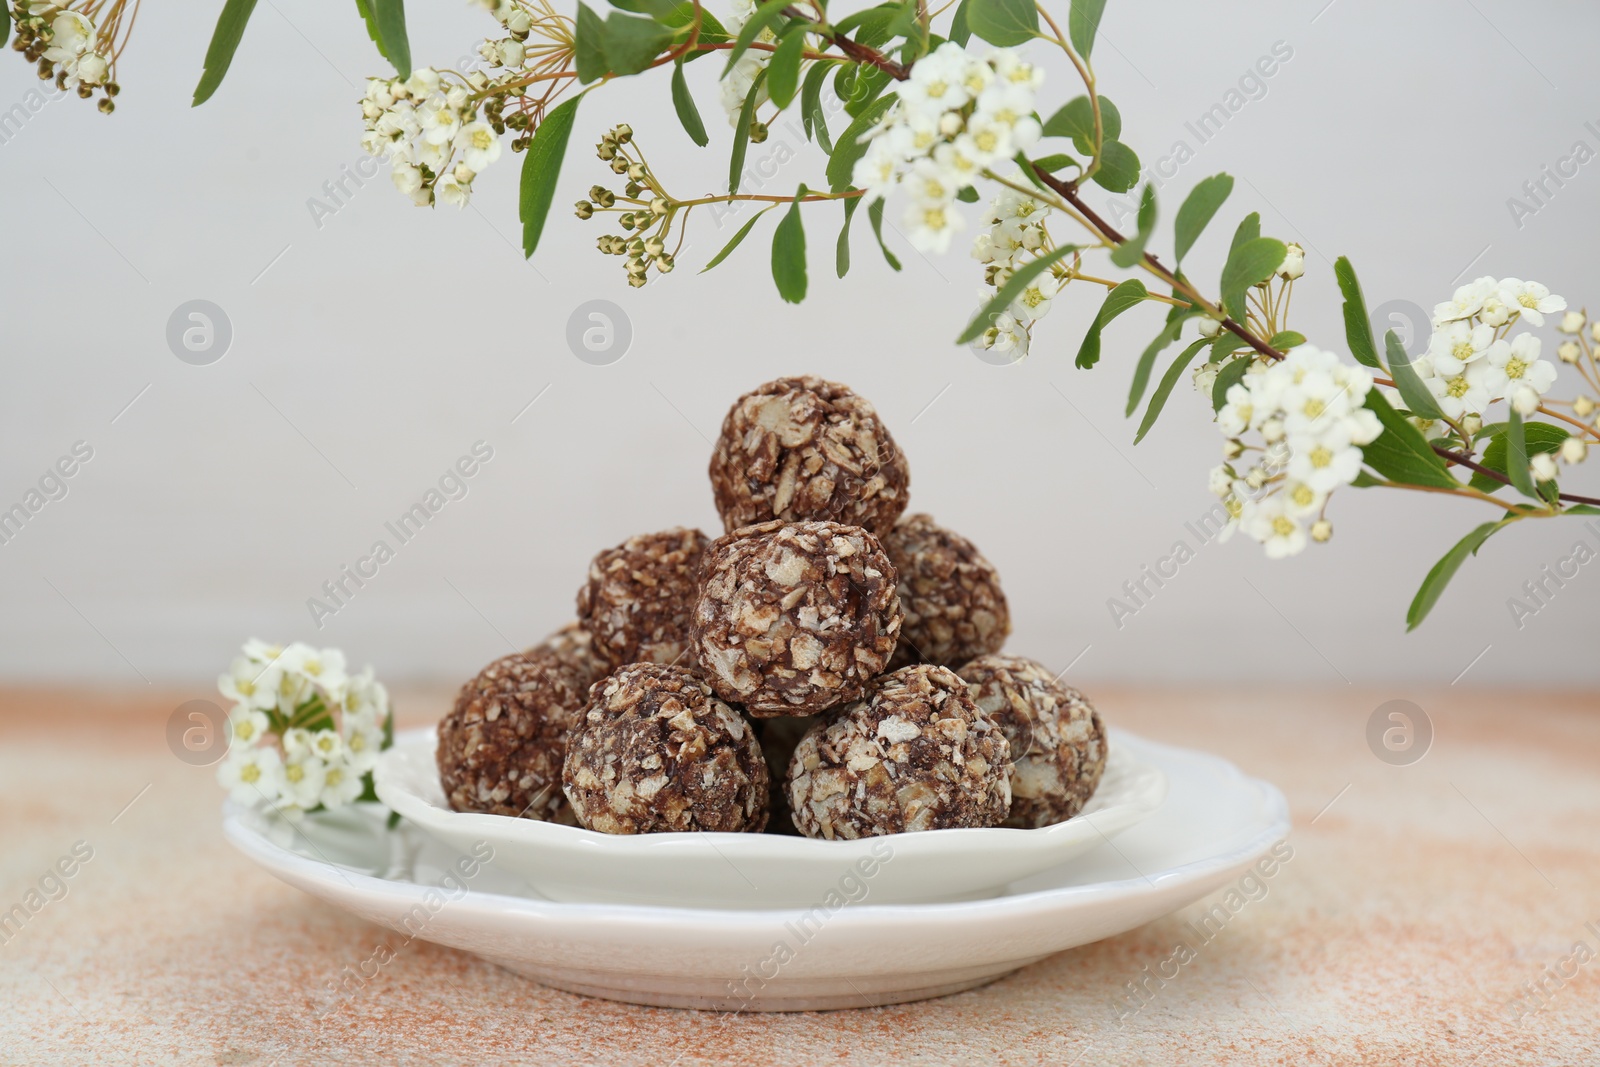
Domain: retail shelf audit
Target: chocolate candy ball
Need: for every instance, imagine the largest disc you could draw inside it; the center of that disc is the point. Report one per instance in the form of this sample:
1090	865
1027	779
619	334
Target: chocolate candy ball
655	751
916	754
951	595
639	596
805	448
794	618
500	749
573	644
1058	745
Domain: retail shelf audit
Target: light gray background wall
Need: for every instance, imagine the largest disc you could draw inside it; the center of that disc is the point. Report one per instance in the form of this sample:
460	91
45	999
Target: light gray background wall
372	350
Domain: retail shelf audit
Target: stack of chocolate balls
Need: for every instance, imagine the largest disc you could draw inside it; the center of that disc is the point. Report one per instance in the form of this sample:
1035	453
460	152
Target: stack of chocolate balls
826	666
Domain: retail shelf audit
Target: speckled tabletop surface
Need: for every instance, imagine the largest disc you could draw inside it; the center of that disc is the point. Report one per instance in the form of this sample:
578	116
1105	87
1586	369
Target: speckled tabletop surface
1442	911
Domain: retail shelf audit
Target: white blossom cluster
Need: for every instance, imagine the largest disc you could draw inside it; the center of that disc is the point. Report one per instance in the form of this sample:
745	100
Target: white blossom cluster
737	82
1015	237
427	127
1473	361
274	761
74	47
956	116
1307	410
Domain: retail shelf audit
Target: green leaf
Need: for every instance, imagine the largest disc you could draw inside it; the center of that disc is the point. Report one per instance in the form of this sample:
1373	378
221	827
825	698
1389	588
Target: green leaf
1439	577
744	231
1119	167
741	134
1011	290
1357	327
764	16
1083	22
859	86
849	148
688	113
1412	391
1231	374
1051	163
812	115
1517	457
789	253
1248	230
1075	119
1197	211
1147	359
1158	399
1003	23
1249	264
632	44
1537	437
1581	509
783	73
1400	453
960	30
1284	340
1130	251
541	166
5	22
589	46
1117	301
389	18
224	42
841	255
875	216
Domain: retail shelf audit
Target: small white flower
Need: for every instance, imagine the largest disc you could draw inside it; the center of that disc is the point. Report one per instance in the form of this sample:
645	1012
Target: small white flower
1294	262
303	778
479	145
1543	466
1007	336
92	68
449	190
1325	461
327	744
1518	364
1301	499
1034	301
1462	393
1237	413
932	226
1531	299
1220	481
250	682
875	171
1467	301
341	784
249	726
1270	523
1525	399
363	740
1456	344
251	775
440	121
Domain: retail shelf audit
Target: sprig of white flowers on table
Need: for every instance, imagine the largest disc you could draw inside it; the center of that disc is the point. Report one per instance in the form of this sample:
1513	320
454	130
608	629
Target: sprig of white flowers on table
306	733
932	122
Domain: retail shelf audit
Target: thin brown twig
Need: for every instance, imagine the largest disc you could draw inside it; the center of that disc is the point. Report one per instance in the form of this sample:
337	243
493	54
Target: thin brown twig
1474	465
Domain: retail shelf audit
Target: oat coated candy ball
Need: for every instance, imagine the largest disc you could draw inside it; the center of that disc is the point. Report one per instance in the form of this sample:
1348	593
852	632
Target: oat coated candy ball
805	448
794	618
915	754
500	748
1058	744
951	595
639	596
573	645
654	751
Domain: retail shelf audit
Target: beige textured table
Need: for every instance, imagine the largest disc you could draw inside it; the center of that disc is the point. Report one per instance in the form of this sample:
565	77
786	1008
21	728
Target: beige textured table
1421	905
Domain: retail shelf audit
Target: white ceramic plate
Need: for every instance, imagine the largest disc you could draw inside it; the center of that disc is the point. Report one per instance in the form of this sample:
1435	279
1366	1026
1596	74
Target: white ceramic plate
763	870
1216	824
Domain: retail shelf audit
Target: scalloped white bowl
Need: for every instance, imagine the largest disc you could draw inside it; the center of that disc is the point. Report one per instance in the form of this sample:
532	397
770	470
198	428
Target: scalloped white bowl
713	870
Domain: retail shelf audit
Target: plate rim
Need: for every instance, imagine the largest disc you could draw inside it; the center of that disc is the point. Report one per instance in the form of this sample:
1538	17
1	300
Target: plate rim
1275	824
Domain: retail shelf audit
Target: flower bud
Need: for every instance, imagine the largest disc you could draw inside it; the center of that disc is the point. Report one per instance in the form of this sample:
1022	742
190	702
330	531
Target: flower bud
1568	352
1571	322
1582	406
637	280
1525	398
1321	530
758	131
1543	466
519	22
636	171
1472	423
1272	430
658	207
1232	449
584	209
1255	477
664	262
619	165
511	53
1294	263
627	220
654	247
1210	327
1594	333
1573	450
